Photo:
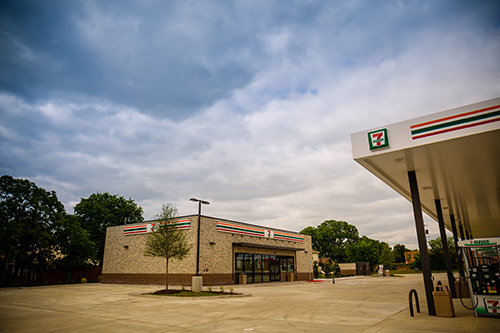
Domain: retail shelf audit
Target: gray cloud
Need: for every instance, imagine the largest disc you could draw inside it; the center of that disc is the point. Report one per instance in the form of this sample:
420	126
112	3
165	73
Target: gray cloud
248	105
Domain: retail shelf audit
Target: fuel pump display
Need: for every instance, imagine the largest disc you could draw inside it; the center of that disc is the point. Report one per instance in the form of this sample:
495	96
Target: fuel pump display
481	258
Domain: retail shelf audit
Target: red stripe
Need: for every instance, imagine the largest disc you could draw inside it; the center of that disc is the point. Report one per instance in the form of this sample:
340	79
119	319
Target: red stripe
455	116
456	128
134	232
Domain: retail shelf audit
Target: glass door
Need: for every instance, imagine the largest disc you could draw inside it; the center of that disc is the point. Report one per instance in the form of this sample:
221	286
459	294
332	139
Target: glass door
274	269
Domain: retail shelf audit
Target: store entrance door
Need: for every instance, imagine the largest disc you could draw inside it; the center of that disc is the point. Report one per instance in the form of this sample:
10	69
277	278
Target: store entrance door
274	268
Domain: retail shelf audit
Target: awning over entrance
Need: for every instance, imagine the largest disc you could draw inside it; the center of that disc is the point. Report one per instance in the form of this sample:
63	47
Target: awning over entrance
272	247
456	157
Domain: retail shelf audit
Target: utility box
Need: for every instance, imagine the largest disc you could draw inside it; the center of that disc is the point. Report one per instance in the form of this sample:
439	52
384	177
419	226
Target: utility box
462	288
243	278
443	302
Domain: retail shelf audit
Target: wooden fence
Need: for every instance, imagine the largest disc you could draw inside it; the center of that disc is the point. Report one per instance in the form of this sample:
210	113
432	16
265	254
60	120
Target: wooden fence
12	275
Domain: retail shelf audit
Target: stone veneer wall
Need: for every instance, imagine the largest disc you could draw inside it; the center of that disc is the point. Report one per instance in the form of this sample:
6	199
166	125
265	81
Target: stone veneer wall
124	261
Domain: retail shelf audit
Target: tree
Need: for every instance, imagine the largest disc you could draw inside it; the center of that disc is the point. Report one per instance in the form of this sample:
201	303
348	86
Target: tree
416	263
74	243
102	210
29	216
399	253
364	249
316	269
331	237
167	241
386	256
436	254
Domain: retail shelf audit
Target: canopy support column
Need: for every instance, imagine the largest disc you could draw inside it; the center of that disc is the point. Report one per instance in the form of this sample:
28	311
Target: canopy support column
446	251
422	242
457	250
462	235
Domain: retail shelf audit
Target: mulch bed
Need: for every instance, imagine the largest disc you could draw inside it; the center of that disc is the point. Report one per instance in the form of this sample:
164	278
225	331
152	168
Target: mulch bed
177	292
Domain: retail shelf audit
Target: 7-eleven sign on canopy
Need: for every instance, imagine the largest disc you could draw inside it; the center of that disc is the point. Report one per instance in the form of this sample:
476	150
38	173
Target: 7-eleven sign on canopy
378	139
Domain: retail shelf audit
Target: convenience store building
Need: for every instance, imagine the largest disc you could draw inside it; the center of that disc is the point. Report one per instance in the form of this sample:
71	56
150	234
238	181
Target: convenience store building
227	249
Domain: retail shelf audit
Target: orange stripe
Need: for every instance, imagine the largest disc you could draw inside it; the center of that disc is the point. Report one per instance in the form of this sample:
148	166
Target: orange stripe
455	116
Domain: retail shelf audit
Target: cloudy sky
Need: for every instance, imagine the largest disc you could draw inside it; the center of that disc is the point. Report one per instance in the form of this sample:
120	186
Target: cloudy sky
246	104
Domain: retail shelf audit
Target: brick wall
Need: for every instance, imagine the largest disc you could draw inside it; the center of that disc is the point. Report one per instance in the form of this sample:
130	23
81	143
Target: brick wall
124	261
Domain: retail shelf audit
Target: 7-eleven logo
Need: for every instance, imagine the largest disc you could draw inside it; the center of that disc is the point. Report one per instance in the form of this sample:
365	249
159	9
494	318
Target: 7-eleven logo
492	305
378	139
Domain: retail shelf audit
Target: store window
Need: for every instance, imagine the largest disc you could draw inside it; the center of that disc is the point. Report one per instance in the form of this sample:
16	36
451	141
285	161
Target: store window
262	267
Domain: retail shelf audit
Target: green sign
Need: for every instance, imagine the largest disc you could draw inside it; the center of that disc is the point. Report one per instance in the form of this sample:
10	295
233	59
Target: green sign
378	139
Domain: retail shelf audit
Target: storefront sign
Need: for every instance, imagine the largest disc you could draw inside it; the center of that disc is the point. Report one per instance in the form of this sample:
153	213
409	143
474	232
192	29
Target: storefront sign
378	139
150	227
256	232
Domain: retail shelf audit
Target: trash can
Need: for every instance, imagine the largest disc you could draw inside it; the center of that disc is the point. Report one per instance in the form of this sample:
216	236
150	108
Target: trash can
387	272
443	302
291	277
243	278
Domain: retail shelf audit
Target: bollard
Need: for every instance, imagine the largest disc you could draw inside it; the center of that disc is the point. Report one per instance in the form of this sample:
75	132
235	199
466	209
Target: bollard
333	280
413	291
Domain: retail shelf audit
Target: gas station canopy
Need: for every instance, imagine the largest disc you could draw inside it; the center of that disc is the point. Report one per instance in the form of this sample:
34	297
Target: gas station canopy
456	158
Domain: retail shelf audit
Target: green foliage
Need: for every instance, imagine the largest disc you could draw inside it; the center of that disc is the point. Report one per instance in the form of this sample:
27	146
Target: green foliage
436	254
331	238
167	241
328	269
74	243
102	210
399	253
416	264
335	269
28	215
364	249
316	269
386	256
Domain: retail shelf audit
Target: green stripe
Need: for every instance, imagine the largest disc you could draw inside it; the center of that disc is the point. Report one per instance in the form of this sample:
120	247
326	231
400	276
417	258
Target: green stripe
455	122
240	229
135	229
286	236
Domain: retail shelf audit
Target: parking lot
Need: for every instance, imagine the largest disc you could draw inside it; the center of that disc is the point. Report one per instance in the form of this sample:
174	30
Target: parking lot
360	304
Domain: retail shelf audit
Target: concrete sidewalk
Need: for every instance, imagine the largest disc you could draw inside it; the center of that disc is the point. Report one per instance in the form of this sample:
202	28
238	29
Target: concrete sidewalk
366	304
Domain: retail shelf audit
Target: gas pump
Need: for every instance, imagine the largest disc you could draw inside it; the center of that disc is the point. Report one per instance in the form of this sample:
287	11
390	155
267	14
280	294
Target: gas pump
481	258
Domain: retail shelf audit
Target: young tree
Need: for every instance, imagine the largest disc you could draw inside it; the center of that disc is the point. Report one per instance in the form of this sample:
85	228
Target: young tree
102	210
167	241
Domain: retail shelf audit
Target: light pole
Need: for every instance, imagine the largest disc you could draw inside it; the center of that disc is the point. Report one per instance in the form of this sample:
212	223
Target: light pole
197	282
